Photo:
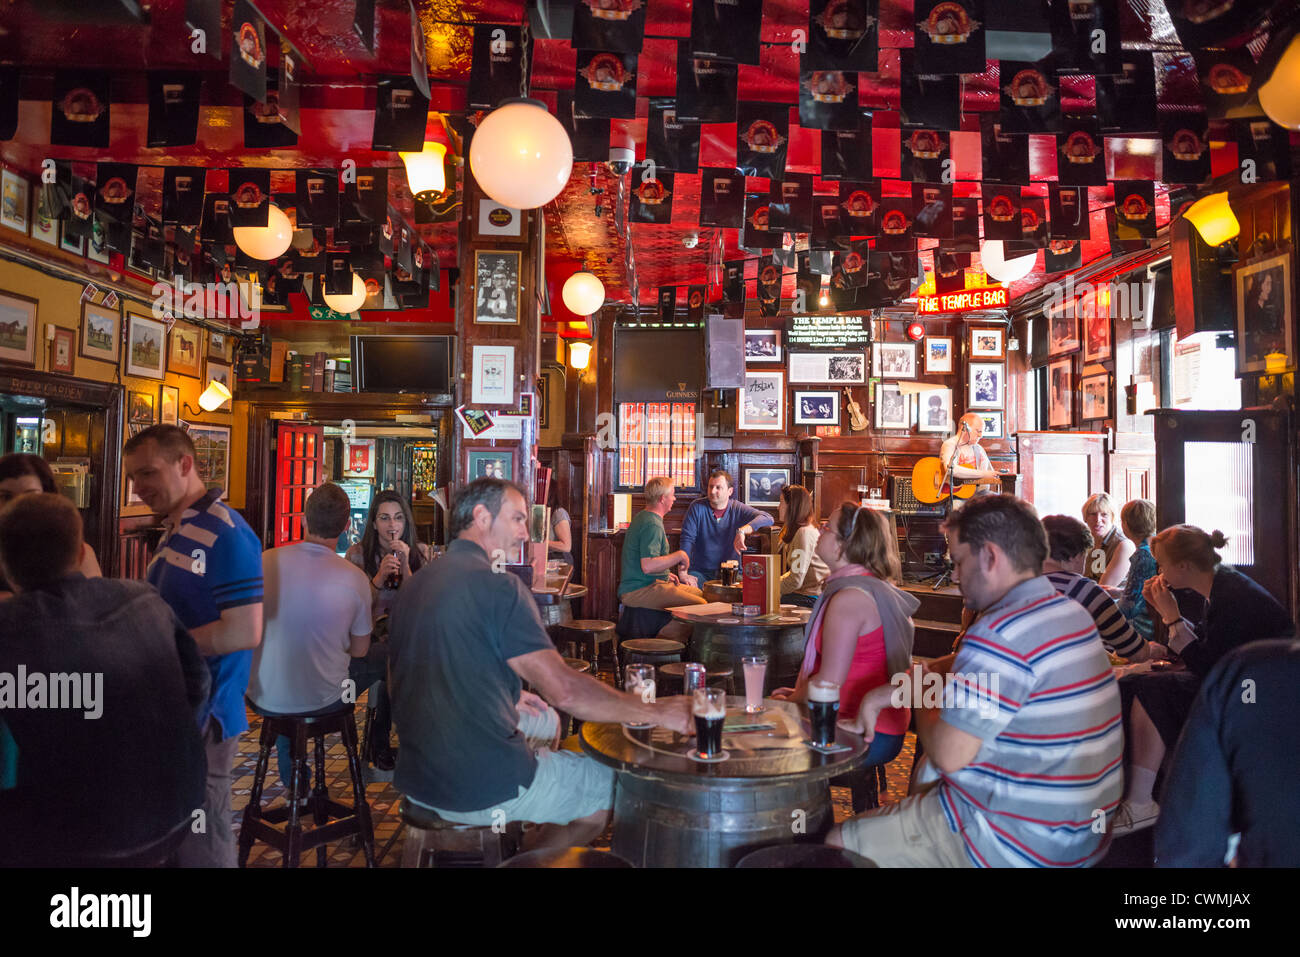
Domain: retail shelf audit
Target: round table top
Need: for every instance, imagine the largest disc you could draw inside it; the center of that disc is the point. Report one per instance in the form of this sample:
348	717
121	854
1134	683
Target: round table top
716	591
551	597
577	664
755	756
790	615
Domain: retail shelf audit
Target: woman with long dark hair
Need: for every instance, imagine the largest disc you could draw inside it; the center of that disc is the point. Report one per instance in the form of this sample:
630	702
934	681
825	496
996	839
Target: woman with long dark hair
25	474
802	582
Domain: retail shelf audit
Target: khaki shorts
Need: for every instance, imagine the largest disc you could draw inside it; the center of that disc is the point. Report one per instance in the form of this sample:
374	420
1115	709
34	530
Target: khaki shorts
911	833
662	595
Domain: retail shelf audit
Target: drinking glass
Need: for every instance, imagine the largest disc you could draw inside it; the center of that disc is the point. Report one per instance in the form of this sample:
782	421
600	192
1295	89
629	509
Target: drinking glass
823	710
640	680
755	668
710	710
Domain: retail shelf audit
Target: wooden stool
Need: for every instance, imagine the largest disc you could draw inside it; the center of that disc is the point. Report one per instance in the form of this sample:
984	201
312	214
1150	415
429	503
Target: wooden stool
582	857
672	678
650	651
432	841
587	636
292	839
582	667
803	855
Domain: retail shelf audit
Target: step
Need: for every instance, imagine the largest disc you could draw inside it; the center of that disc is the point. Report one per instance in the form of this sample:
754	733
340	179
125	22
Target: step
933	639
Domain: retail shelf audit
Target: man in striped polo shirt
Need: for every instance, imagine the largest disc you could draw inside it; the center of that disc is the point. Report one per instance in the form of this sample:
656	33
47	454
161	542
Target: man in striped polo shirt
1031	759
208	568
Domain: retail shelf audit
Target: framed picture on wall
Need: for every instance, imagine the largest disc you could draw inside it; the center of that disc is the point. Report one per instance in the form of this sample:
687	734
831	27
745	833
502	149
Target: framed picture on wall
169	404
185	356
1265	314
993	428
842	368
893	408
101	333
44	228
1060	398
762	485
987	343
490	463
894	360
762	345
14	199
71	244
761	402
817	408
496	286
61	350
1096	329
1063	331
146	346
938	355
220	347
1096	396
987	385
212	455
220	372
934	411
17	329
139	408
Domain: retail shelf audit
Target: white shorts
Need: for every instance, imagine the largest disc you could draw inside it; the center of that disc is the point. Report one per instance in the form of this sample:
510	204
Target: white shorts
567	786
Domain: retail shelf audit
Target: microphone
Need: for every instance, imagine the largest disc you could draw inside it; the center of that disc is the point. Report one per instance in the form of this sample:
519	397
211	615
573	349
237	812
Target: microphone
965	426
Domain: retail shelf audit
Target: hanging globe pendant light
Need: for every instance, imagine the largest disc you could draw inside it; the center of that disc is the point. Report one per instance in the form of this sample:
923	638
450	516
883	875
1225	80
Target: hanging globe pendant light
1005	271
583	293
349	303
521	155
269	241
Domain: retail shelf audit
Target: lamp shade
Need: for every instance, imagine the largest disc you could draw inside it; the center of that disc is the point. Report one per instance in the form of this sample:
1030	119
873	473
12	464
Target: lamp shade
1006	271
521	155
269	241
425	172
1275	362
214	396
579	354
349	303
1213	218
583	293
1278	96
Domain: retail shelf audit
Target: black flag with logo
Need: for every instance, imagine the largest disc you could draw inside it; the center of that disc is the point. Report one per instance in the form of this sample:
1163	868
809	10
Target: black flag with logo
173	108
846	154
1005	155
859	208
695	303
828	99
1080	157
401	114
727	30
1068	209
589	136
667	303
843	35
248	50
791	203
651	199
1135	209
706	87
606	84
1186	153
80	115
365	198
926	156
115	191
722	198
769	287
496	70
317	198
250	196
183	195
949	36
671	143
1030	97
1126	102
1002	212
615	25
762	138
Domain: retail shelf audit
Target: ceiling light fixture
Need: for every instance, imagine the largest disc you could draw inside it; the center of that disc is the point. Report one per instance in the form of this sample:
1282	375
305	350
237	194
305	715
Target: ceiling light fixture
269	241
1277	96
349	303
1213	218
583	293
520	155
1005	271
426	171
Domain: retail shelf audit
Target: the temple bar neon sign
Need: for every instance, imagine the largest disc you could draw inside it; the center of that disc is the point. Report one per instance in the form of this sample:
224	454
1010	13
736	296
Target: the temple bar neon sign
991	297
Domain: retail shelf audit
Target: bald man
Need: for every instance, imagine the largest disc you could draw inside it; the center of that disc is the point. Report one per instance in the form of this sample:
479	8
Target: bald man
972	463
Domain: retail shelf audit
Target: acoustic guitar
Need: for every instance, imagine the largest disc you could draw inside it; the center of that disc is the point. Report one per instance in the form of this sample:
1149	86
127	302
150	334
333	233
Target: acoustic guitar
929	487
857	422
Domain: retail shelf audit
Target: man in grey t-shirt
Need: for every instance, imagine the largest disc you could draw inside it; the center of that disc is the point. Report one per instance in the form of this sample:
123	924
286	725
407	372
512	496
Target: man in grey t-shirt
462	635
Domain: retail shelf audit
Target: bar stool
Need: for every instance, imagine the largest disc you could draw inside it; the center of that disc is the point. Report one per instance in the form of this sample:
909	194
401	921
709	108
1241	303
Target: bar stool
651	651
578	857
672	678
292	839
588	637
804	856
432	841
582	667
641	622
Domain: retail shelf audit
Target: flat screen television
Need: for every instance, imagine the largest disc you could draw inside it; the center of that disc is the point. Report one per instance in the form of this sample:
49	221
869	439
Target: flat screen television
402	364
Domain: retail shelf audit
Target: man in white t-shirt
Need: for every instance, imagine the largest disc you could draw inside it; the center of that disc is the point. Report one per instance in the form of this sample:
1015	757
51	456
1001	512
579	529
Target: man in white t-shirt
317	618
972	463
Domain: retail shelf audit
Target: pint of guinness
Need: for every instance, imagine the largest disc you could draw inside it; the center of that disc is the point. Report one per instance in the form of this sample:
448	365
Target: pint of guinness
823	710
710	710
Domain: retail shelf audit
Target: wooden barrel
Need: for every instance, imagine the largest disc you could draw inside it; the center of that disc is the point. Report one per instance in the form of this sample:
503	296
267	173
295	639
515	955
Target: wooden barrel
660	822
556	613
722	646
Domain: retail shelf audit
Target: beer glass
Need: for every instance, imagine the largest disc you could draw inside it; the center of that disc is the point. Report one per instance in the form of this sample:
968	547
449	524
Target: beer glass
755	668
710	710
640	681
693	676
823	710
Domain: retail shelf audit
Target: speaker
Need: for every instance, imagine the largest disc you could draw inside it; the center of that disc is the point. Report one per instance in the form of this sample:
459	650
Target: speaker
1202	282
725	368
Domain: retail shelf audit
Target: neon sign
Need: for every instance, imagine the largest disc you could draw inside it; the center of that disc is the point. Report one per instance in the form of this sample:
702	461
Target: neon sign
990	297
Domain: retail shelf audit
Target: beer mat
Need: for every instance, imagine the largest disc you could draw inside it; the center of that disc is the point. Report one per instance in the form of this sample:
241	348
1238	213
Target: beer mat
700	611
728	621
828	749
718	758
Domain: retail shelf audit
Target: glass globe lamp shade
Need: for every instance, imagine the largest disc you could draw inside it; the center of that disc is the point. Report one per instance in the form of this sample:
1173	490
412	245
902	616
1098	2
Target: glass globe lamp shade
1213	218
214	396
425	171
269	241
521	155
1005	271
349	303
583	293
1278	96
579	355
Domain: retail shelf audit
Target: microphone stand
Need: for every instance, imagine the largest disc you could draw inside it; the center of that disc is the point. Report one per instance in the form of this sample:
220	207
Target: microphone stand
946	577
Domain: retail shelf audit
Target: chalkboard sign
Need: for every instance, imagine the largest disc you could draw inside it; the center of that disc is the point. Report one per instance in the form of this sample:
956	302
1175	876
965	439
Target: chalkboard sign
658	365
827	332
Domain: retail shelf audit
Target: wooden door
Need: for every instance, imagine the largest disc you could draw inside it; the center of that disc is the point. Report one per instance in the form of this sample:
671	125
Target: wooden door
1059	470
298	470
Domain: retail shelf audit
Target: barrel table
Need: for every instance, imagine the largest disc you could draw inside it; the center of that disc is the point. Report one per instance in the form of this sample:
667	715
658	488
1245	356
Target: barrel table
720	641
672	811
556	609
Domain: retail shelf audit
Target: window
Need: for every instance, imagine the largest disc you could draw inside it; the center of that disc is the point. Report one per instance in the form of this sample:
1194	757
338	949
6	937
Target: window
1204	374
1226	503
656	438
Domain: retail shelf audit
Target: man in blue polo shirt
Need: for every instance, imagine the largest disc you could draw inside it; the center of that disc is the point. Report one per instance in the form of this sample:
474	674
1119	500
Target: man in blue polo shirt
208	568
715	526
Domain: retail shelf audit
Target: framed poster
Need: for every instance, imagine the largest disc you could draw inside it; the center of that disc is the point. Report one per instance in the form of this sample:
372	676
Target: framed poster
496	286
1265	313
139	408
1096	329
490	463
101	333
497	221
763	485
897	360
987	343
146	341
185	355
71	244
17	329
1060	387
987	385
169	404
212	455
359	459
938	355
1063	331
493	375
61	350
44	228
762	345
992	424
220	347
817	408
934	411
762	402
220	372
842	368
1096	396
15	196
893	409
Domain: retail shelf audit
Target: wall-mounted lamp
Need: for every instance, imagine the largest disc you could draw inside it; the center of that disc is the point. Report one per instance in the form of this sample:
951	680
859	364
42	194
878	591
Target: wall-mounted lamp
580	355
426	171
214	397
1213	218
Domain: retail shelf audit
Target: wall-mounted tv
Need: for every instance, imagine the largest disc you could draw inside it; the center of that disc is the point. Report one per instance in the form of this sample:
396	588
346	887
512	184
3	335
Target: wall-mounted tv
402	364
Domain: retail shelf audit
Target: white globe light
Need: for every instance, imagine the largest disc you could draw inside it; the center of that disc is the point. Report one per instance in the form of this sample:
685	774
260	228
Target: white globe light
350	303
1005	271
521	155
269	241
583	293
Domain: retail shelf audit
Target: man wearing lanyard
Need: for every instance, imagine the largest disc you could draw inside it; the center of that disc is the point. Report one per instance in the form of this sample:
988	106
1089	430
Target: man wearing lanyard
714	528
972	464
208	568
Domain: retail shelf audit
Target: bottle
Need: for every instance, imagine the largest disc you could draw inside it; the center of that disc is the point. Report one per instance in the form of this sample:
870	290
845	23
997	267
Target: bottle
394	579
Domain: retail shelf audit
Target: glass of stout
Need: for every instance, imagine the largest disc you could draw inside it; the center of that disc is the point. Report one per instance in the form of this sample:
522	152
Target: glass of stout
710	710
640	681
823	710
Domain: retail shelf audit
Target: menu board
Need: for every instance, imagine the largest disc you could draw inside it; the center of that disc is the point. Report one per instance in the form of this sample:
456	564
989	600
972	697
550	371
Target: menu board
827	332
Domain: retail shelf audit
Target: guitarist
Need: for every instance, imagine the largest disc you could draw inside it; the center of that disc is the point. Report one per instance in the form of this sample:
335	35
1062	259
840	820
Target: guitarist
972	463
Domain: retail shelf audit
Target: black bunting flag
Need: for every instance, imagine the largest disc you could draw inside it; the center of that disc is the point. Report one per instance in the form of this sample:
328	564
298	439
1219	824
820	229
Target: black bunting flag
727	30
859	209
1186	154
1068	212
1080	157
1001	212
950	36
80	114
589	136
1030	98
1135	209
1126	102
671	143
1005	155
250	196
182	202
706	88
762	138
614	25
933	205
606	84
722	198
846	154
843	35
173	108
652	196
248	50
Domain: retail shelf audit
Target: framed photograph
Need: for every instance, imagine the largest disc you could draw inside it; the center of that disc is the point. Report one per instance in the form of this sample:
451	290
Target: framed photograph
146	342
893	408
762	345
987	342
132	504
496	286
139	408
762	402
842	368
490	463
1265	314
61	349
763	485
220	372
894	360
359	458
1096	396
185	357
493	375
938	355
1063	331
934	411
44	228
497	221
17	329
71	244
220	347
1096	329
992	424
987	385
15	197
817	408
212	455
1060	398
101	333
169	405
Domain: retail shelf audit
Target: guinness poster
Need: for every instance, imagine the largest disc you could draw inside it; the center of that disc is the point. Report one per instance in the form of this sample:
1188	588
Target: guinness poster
706	88
757	232
250	196
828	230
606	84
496	72
722	198
1062	255
828	99
762	138
949	272
1002	212
1030	98
695	303
896	218
846	154
401	114
1086	35
791	207
672	144
1080	158
589	136
727	29
1265	144
843	35
248	51
1225	77
949	36
1186	152
769	287
614	25
1126	102
733	281
1135	209
651	198
115	191
81	208
182	201
173	109
317	198
80	109
1005	155
965	225
265	126
365	199
215	228
1033	221
858	212
933	205
667	303
1068	208
924	153
927	99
